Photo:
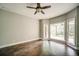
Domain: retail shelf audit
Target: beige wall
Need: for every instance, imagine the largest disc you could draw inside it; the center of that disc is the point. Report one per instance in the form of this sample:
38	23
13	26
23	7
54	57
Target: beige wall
16	28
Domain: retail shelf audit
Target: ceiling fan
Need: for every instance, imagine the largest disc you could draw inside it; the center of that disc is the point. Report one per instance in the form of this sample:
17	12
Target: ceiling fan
39	8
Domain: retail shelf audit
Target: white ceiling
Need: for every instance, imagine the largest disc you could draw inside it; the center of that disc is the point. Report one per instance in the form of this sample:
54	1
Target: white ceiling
55	10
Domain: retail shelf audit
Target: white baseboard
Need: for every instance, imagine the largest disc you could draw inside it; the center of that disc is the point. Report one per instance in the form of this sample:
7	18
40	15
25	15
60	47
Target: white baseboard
17	43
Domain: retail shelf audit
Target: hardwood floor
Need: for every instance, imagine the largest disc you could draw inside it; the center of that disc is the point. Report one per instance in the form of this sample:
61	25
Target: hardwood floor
53	48
24	49
38	48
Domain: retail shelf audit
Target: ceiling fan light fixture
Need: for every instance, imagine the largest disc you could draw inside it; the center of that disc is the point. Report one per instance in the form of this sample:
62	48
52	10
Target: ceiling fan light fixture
39	8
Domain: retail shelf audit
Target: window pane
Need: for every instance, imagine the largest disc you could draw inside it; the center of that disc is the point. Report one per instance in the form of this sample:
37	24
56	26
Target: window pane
57	31
71	38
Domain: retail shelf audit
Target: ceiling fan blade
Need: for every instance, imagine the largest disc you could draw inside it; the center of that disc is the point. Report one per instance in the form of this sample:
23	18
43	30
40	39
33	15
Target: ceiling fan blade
31	7
35	12
42	12
45	7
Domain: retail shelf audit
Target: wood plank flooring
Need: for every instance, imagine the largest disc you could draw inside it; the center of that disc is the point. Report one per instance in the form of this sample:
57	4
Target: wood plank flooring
38	48
24	49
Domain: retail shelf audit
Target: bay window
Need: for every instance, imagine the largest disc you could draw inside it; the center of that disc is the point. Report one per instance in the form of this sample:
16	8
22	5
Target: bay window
57	31
71	31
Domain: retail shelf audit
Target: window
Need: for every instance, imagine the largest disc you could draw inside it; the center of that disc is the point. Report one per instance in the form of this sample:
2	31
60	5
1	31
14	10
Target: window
71	31
57	31
60	30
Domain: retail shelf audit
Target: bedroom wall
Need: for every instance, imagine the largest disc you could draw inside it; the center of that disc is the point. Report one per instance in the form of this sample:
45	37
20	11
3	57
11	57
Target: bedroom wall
15	28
